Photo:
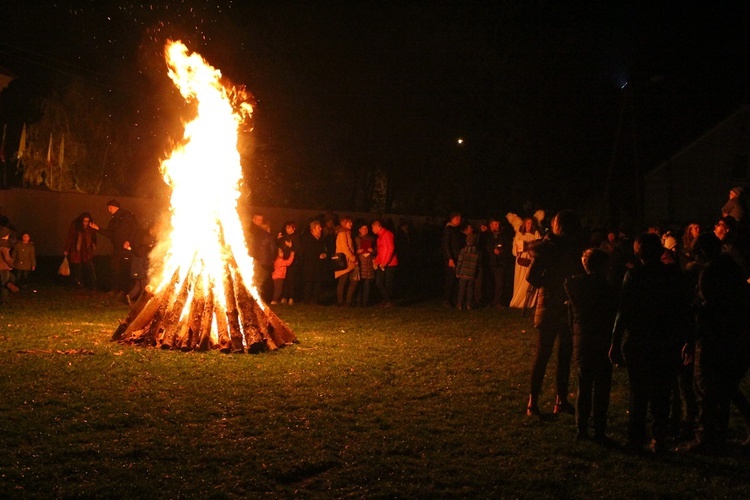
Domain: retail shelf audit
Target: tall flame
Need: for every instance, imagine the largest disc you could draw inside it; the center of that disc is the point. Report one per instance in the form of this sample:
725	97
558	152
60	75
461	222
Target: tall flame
204	174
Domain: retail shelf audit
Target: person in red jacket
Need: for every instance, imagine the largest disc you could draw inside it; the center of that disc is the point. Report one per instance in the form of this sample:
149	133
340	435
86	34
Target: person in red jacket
385	262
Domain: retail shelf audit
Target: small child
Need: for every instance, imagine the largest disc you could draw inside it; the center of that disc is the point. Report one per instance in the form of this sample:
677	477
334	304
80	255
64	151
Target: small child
592	307
6	263
24	259
280	264
466	271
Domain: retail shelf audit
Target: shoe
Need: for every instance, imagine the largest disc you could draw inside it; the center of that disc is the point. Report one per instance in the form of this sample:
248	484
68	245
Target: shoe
283	301
468	308
273	303
564	407
291	301
13	288
533	411
459	307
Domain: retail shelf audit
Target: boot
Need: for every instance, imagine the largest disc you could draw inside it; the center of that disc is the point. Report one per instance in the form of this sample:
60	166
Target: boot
562	406
532	409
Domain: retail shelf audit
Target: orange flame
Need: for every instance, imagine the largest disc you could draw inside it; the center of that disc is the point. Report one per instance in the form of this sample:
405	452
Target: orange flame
204	174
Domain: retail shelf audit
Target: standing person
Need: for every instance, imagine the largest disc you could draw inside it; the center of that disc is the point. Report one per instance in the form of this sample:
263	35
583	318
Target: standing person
80	248
121	231
385	262
345	246
721	344
687	255
24	259
466	272
263	252
592	304
649	332
735	206
556	258
288	241
365	247
280	267
314	262
6	263
525	236
495	251
451	244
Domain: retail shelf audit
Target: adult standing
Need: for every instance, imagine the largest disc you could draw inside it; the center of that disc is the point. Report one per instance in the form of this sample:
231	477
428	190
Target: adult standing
288	241
451	245
80	248
121	231
345	246
525	236
365	246
653	320
263	252
721	344
735	206
556	258
385	262
314	262
495	251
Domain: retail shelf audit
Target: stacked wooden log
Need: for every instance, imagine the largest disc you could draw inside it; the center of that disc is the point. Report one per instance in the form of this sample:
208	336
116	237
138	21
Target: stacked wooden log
183	314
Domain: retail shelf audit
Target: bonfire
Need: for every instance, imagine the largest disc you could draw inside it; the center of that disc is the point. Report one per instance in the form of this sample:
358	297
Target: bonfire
201	293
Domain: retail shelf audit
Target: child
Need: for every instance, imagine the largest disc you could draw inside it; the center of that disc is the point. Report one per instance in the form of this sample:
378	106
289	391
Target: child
279	274
24	259
592	307
6	263
466	271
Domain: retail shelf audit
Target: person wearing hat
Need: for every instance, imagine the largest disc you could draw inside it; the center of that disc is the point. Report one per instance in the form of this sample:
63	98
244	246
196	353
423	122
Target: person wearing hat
122	230
6	262
735	206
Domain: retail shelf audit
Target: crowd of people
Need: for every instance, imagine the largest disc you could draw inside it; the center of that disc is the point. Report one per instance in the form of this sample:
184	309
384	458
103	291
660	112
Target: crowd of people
674	313
670	307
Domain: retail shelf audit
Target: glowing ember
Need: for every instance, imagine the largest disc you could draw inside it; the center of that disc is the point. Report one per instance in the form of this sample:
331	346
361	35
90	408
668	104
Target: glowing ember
201	292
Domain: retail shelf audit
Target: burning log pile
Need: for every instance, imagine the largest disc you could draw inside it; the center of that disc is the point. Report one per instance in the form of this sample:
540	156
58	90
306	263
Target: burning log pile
200	295
235	324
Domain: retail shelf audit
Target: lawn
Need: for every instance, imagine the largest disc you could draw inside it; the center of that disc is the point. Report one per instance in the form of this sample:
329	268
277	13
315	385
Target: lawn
414	401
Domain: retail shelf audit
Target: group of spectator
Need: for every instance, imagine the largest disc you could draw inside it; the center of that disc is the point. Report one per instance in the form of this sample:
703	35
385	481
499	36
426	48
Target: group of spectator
331	256
673	311
17	259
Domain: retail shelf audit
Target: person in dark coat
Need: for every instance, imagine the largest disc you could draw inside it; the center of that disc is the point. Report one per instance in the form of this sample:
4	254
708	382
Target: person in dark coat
649	334
288	241
314	261
721	344
592	304
80	248
496	247
556	258
121	231
451	244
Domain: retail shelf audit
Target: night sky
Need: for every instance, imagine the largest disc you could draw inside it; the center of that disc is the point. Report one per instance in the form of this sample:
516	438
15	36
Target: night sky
344	89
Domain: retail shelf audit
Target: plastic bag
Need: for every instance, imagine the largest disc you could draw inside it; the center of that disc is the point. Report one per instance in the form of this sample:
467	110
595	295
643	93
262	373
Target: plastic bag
64	269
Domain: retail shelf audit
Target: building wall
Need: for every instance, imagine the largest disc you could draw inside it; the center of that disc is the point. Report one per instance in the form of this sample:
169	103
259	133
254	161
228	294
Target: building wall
694	184
46	215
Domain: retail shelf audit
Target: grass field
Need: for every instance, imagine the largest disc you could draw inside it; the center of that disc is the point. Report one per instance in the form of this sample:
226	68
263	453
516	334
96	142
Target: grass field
409	402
